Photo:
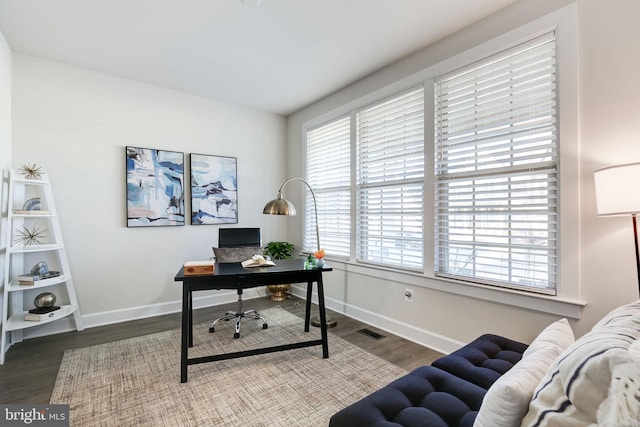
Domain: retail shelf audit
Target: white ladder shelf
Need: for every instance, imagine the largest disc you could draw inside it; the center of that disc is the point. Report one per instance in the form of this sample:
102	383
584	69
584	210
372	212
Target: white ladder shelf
20	257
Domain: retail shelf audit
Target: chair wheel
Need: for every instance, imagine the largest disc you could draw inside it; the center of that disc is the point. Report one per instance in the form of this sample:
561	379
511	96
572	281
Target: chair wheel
212	329
265	326
236	335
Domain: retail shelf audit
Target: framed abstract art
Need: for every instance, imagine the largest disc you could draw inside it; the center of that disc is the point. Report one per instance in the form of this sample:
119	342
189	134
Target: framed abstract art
155	187
214	189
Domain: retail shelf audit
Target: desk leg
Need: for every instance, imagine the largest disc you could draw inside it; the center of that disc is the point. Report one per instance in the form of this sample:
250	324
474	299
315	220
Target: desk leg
186	315
323	317
307	313
190	311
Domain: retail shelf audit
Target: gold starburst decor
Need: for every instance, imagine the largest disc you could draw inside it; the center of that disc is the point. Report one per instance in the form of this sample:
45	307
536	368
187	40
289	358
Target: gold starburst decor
31	171
27	237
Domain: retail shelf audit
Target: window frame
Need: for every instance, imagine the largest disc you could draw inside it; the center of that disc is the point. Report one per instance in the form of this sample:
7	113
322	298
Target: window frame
320	190
522	159
567	302
363	158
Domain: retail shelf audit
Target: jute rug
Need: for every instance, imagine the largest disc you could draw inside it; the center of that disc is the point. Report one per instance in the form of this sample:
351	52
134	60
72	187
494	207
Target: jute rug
136	382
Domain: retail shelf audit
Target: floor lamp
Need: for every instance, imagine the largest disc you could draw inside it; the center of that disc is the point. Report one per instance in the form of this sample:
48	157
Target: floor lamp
617	194
281	206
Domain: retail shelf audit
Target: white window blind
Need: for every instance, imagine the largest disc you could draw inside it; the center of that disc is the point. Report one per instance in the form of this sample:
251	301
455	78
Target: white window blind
329	174
390	181
496	169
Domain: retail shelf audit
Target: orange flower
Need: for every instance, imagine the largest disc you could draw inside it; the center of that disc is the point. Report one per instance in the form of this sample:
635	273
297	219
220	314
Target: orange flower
319	254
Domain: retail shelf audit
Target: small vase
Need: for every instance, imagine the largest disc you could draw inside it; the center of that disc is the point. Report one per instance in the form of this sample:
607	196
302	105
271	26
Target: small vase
310	262
319	262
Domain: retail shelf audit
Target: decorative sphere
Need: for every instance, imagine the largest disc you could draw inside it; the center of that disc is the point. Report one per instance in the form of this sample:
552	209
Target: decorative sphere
45	299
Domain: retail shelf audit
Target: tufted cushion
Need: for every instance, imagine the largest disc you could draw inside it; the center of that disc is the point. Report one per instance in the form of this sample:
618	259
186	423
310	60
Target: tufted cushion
236	254
484	360
448	393
426	396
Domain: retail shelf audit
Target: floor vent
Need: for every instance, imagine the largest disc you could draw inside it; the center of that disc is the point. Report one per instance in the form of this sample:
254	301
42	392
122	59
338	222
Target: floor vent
371	334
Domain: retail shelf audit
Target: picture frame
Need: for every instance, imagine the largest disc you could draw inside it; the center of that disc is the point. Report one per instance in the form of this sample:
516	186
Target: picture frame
214	189
155	187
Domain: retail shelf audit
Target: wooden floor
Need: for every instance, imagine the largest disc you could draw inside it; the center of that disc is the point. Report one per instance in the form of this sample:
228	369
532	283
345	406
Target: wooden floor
29	372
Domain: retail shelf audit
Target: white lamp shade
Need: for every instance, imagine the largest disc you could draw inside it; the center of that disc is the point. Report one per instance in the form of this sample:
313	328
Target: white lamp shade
618	189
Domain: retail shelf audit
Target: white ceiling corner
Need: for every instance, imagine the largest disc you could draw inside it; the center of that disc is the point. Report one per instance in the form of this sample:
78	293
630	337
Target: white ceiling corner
278	56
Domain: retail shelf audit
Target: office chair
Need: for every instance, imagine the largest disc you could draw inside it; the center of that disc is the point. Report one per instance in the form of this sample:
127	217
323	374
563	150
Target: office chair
237	245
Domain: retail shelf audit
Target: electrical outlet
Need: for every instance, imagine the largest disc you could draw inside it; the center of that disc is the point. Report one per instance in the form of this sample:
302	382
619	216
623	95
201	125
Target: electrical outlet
408	295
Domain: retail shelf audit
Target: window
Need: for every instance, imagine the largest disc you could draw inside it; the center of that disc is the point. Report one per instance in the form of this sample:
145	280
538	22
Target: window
389	177
496	169
329	174
390	181
499	201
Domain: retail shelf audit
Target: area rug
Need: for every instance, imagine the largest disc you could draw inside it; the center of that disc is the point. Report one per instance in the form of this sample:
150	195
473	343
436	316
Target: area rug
136	382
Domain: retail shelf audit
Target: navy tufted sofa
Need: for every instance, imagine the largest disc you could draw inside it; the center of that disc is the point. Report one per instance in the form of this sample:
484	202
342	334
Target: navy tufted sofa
448	393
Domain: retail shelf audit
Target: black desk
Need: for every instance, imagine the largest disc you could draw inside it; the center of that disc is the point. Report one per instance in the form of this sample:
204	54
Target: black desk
232	276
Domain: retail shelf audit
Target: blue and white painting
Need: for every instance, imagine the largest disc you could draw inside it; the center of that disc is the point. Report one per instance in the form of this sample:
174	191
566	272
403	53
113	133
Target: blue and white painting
214	189
155	187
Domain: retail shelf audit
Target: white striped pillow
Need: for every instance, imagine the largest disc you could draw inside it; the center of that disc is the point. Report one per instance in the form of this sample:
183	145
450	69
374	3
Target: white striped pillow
572	390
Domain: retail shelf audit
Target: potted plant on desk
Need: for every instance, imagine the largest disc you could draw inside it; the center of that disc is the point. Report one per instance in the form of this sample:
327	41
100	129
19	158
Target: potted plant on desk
279	250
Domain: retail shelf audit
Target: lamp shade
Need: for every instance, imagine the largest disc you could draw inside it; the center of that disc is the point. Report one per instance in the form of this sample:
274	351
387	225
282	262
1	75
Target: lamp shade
279	206
618	189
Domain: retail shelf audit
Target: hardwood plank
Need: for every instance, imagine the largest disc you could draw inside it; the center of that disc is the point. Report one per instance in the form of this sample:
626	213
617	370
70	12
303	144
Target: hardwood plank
30	369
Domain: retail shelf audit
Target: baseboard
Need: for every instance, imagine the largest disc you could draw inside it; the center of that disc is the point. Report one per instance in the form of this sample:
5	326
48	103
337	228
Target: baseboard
141	312
423	337
406	331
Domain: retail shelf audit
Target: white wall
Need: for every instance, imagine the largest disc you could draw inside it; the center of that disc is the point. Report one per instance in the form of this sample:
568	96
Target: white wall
609	94
76	123
609	135
5	138
5	103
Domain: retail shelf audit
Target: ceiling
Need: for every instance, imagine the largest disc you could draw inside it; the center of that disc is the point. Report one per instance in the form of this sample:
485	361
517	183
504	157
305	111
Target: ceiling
278	56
